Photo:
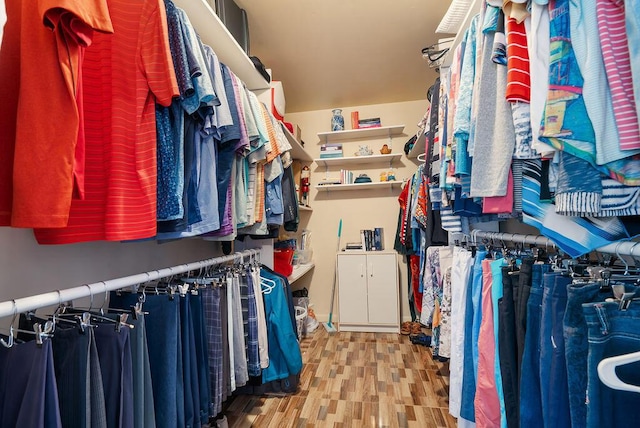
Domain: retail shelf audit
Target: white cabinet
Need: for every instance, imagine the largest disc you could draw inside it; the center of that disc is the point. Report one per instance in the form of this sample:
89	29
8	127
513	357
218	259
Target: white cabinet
368	292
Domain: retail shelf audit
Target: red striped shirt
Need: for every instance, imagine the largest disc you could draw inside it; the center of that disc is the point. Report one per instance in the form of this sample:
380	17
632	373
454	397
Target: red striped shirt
124	75
518	81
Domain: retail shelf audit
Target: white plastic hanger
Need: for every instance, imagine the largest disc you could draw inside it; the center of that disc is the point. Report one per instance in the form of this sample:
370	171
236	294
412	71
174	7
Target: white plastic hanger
267	285
608	375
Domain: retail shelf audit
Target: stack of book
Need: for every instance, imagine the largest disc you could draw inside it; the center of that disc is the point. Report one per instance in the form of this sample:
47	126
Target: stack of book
373	122
353	246
372	239
328	151
346	176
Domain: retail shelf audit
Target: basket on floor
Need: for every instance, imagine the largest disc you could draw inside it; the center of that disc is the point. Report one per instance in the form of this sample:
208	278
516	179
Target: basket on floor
301	320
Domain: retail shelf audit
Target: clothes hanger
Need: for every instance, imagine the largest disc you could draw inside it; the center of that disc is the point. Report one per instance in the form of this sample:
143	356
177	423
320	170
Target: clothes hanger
268	283
607	371
39	330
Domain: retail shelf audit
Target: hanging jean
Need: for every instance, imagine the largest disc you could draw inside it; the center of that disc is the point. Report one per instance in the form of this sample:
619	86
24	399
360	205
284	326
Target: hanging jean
612	332
530	398
163	342
508	346
201	352
75	359
553	368
28	392
143	405
114	349
487	403
577	346
460	277
212	313
472	330
189	364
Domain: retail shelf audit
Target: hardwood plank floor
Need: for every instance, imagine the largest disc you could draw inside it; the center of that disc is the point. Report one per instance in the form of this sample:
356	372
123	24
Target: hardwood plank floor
356	380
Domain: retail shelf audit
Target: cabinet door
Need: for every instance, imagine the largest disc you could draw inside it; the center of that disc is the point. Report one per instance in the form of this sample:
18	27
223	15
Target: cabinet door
382	291
352	288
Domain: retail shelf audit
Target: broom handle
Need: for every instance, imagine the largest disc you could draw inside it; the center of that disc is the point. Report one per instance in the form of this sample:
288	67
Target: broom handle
335	275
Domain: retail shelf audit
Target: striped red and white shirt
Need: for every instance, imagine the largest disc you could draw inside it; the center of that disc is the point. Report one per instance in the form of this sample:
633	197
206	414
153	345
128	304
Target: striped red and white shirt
617	64
518	81
124	75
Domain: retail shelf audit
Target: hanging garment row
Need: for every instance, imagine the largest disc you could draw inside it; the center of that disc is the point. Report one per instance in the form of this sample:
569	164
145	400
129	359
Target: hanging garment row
174	147
165	354
537	119
525	330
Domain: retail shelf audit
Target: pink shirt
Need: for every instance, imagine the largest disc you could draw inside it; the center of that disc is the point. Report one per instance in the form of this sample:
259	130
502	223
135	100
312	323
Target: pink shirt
617	64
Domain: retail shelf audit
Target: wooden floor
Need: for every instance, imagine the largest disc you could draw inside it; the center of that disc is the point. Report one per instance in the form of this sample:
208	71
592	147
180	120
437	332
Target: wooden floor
356	380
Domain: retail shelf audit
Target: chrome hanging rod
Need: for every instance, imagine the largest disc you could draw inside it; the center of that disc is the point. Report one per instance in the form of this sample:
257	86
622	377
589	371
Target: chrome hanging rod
620	248
30	303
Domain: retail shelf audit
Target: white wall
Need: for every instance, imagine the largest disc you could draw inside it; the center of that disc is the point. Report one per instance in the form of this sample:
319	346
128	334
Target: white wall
357	209
28	268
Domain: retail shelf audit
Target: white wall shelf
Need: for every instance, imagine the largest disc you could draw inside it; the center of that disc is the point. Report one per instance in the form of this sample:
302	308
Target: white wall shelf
353	134
473	10
359	186
299	271
359	160
418	148
297	151
213	33
304	208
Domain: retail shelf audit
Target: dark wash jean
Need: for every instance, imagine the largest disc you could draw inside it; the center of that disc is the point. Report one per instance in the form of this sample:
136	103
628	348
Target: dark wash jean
553	369
612	332
577	346
508	347
530	395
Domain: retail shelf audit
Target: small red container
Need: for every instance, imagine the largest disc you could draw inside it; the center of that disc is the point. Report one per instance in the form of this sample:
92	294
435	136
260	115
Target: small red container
283	261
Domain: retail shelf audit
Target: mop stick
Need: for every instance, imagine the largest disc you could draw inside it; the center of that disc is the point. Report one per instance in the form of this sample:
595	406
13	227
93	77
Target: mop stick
328	325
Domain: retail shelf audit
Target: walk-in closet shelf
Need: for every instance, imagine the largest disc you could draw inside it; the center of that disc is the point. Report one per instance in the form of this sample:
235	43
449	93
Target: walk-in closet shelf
299	271
359	186
213	32
359	160
297	150
356	134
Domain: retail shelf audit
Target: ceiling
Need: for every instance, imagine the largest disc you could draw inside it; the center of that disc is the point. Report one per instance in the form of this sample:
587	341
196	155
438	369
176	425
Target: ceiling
338	53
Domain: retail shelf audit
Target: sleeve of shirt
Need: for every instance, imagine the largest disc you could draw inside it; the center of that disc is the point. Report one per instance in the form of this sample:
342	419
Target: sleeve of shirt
76	18
156	56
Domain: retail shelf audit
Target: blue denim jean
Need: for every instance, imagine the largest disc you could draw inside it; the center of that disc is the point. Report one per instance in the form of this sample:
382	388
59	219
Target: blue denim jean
612	332
553	369
577	346
472	320
530	396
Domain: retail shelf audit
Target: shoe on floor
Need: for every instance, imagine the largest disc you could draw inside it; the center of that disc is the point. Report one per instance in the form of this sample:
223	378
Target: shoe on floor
416	328
421	339
405	328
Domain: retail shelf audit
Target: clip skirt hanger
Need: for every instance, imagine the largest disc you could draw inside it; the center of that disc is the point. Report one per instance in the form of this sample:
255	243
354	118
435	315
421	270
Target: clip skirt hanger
608	375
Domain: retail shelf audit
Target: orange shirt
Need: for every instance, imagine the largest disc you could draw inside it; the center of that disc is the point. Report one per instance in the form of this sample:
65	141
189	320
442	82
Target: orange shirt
39	64
124	74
